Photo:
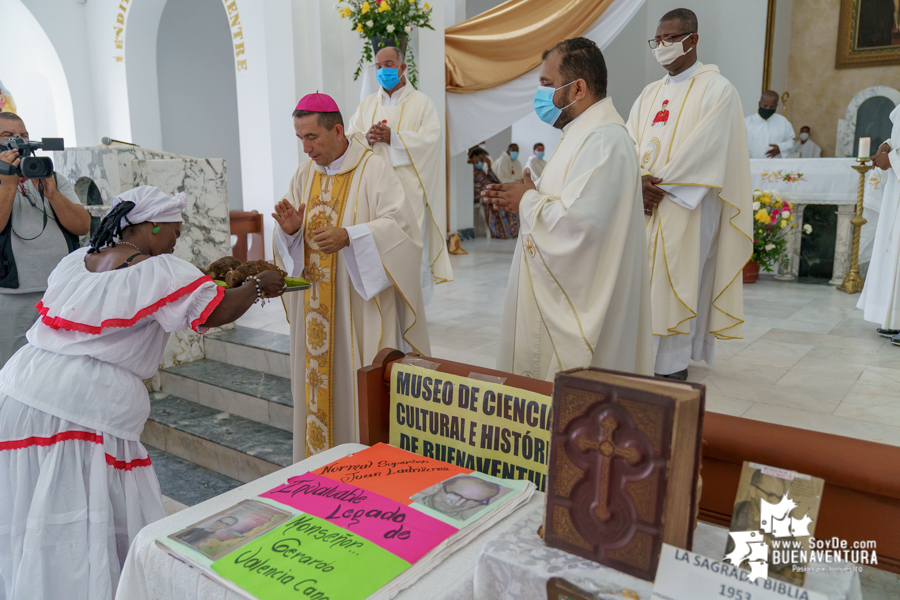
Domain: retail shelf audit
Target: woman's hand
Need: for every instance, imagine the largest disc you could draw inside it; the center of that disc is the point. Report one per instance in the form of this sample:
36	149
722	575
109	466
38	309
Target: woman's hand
272	284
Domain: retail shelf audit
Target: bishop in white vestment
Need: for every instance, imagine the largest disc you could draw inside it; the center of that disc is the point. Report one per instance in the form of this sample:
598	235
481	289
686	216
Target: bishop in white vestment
880	298
578	291
401	125
689	132
346	227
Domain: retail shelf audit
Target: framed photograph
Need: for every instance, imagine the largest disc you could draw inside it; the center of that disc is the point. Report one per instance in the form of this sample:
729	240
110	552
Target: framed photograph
868	34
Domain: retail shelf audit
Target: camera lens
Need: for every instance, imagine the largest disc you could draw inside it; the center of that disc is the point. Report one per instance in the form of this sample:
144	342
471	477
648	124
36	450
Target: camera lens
36	167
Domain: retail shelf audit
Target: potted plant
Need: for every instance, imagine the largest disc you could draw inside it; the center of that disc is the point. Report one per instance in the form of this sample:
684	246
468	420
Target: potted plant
773	223
383	23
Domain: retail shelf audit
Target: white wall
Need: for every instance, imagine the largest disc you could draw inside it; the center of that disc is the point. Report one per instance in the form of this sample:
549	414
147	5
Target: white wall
34	76
198	105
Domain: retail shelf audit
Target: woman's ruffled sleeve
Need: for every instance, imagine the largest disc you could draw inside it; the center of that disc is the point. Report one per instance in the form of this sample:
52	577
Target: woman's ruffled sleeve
195	296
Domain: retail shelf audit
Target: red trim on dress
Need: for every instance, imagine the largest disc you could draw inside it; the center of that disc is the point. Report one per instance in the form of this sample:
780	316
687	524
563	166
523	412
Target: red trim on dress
127	466
60	323
220	294
86	436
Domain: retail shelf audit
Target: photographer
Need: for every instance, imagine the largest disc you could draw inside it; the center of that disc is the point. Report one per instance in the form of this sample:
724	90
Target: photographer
35	234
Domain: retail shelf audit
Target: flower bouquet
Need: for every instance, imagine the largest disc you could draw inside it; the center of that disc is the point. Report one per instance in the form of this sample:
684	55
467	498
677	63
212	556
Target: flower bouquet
773	223
381	22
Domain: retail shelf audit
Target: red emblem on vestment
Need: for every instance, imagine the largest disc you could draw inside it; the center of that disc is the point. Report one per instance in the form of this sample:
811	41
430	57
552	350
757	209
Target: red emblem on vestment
662	117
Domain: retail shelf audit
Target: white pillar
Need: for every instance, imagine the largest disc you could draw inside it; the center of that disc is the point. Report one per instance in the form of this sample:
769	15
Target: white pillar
843	243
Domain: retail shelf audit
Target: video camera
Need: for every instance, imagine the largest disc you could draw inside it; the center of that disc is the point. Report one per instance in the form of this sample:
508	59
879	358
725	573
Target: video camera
30	167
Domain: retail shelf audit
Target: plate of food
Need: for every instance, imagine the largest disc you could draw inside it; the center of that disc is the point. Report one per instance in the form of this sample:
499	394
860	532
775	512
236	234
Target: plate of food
229	272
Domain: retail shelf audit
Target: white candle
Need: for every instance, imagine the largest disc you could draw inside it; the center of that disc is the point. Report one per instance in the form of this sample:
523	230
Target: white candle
864	147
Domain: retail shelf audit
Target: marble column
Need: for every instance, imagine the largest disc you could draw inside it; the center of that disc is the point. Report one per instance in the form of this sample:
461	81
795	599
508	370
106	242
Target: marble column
793	247
843	243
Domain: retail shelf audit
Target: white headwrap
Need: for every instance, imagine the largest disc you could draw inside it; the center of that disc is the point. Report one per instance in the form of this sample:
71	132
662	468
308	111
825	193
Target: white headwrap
151	204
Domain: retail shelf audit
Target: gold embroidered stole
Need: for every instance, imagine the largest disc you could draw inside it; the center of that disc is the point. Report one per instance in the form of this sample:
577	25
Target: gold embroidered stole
325	208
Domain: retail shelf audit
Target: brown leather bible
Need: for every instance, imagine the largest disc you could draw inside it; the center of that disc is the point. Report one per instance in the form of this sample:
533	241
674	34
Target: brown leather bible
624	467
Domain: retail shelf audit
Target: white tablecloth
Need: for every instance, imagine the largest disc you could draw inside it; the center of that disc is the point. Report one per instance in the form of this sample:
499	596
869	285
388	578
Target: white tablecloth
151	574
517	565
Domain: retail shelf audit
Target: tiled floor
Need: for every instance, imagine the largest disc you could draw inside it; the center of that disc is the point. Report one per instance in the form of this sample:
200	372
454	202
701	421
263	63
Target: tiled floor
807	358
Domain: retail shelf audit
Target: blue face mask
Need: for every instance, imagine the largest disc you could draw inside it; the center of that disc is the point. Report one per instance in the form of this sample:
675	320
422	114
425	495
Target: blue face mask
514	155
388	78
477	165
540	155
543	104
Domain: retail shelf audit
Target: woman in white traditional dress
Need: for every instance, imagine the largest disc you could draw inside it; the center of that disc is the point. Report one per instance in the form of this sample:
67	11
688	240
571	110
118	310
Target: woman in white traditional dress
76	485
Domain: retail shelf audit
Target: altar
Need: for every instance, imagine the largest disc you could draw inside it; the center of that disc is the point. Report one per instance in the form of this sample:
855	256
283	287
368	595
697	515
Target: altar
806	181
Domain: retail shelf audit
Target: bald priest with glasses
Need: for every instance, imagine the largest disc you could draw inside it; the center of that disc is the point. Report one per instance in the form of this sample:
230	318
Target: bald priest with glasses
695	173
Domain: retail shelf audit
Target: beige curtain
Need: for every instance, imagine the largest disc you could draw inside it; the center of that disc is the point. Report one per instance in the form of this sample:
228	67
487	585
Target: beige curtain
506	42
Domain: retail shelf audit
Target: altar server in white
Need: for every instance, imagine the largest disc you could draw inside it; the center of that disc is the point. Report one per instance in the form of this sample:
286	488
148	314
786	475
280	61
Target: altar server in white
507	168
696	187
880	299
401	124
76	484
346	227
805	147
536	162
578	291
769	135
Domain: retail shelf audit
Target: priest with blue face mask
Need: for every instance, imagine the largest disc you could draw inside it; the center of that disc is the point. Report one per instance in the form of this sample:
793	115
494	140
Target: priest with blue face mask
579	286
401	124
508	167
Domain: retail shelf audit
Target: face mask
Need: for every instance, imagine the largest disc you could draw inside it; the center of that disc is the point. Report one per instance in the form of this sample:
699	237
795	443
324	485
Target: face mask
765	113
666	55
804	136
514	155
388	78
540	155
543	104
478	165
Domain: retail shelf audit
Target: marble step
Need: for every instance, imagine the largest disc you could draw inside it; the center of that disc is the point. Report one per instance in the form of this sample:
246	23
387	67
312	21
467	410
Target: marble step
253	349
230	445
257	396
185	482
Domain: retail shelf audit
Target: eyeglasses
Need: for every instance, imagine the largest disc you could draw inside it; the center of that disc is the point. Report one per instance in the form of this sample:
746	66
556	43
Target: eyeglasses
668	40
484	502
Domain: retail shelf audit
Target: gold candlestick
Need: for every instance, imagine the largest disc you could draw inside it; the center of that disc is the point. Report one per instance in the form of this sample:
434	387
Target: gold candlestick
853	282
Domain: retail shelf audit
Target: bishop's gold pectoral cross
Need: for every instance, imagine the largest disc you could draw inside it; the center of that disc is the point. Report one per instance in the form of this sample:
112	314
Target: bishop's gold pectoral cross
608	450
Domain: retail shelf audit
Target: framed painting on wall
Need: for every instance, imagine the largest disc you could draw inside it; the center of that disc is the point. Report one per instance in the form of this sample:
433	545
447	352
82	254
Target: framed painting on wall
868	34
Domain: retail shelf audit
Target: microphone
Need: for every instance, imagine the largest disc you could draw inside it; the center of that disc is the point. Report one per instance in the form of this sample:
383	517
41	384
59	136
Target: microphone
107	141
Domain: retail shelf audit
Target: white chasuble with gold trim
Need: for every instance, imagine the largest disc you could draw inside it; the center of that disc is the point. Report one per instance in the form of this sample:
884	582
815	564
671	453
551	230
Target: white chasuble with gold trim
415	123
334	330
578	292
703	143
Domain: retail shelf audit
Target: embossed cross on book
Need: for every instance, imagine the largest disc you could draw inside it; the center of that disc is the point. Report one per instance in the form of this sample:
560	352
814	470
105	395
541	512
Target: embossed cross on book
607	450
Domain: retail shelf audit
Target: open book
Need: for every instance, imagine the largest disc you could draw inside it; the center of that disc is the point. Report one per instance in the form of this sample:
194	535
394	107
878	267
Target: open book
365	526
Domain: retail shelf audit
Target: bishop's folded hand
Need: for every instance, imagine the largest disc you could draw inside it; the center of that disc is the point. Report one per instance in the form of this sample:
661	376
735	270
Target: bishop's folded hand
331	239
289	218
507	196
